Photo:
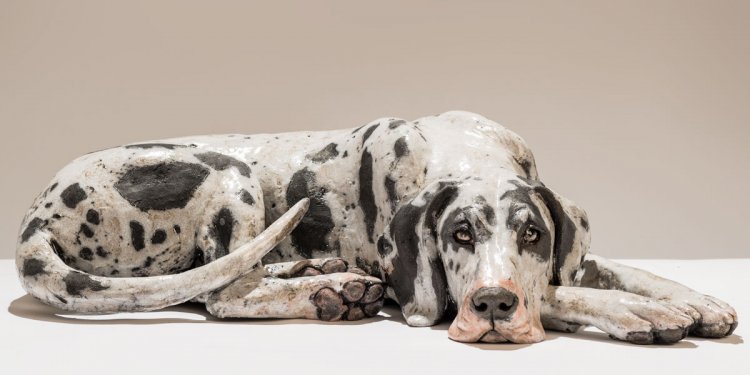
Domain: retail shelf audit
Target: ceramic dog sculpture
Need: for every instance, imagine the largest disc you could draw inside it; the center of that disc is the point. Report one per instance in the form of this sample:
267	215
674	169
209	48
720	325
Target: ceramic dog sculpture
444	215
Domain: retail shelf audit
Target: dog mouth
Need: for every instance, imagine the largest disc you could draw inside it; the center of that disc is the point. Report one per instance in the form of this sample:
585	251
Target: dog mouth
492	336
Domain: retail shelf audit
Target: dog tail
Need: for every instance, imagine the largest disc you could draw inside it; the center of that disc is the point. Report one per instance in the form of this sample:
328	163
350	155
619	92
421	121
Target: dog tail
46	277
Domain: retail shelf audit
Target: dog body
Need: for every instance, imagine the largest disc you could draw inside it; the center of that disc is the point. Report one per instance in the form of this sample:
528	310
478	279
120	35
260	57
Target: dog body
445	213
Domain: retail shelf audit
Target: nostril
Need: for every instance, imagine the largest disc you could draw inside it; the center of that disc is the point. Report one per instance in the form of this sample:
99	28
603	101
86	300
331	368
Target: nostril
481	307
504	307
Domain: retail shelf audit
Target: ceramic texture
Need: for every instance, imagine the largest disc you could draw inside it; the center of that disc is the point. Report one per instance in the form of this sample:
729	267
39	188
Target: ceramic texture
445	215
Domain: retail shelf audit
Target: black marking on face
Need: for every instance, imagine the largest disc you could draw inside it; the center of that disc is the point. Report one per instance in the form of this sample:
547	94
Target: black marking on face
137	235
487	210
396	123
92	216
168	146
86	254
366	193
369	132
384	246
520	198
33	267
161	186
221	229
390	189
86	230
327	153
312	232
222	162
101	252
72	195
158	237
247	198
76	282
34	225
401	148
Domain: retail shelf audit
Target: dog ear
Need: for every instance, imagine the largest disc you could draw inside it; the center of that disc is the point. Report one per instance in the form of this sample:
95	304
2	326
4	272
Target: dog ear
571	235
416	273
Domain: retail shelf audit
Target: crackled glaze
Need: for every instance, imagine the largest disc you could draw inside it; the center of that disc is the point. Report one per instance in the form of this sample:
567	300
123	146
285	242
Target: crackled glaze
445	213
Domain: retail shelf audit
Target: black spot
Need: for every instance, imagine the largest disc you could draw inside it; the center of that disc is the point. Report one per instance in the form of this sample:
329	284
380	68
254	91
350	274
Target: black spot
599	278
584	223
221	231
390	189
396	123
56	216
72	195
61	299
155	145
366	193
525	165
86	254
161	186
33	267
92	216
52	187
384	246
76	282
312	232
148	262
137	235
400	147
345	154
101	252
327	153
246	197
34	225
86	230
159	237
368	132
61	253
199	258
222	162
48	205
177	229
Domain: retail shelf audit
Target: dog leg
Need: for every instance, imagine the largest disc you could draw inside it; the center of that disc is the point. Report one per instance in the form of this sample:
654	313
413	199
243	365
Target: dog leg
713	317
335	296
624	316
311	267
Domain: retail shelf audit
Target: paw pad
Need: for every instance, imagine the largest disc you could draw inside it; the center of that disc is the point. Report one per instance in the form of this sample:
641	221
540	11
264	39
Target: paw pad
356	301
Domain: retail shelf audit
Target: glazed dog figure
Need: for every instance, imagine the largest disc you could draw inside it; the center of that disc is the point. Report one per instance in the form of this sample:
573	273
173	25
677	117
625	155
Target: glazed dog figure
444	215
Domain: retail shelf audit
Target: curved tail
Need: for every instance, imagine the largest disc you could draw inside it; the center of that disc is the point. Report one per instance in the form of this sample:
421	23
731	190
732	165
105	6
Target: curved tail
45	276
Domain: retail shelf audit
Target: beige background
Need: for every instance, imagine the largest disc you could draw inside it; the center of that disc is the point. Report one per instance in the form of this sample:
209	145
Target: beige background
639	111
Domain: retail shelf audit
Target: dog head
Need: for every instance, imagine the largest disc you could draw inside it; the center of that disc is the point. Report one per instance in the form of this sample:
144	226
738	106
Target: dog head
489	247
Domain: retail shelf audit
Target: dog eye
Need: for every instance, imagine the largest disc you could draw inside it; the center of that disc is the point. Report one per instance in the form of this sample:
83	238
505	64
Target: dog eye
463	236
531	235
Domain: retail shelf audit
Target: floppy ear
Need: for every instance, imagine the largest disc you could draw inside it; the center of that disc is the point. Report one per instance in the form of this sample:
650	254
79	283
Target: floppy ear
572	236
414	270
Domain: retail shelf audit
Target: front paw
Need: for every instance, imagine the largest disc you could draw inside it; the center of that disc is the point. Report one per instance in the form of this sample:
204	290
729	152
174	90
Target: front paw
642	320
713	317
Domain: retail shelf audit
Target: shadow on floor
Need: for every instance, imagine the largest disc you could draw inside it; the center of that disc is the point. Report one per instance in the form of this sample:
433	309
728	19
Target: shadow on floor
29	308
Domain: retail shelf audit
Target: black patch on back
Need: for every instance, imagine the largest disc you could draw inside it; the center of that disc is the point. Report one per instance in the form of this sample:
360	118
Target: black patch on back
396	123
158	237
72	195
155	145
317	223
161	186
246	197
222	162
327	153
221	231
384	246
401	148
137	235
86	254
34	225
390	189
76	282
92	216
366	193
33	267
368	132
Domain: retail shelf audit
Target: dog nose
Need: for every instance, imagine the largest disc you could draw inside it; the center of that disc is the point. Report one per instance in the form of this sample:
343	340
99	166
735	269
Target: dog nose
494	303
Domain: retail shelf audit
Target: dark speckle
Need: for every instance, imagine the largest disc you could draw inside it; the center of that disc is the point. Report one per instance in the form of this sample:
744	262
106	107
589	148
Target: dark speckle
92	216
137	235
159	237
101	252
401	148
221	231
86	230
396	123
86	254
76	282
72	195
327	153
34	225
369	132
33	267
247	198
222	162
177	229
